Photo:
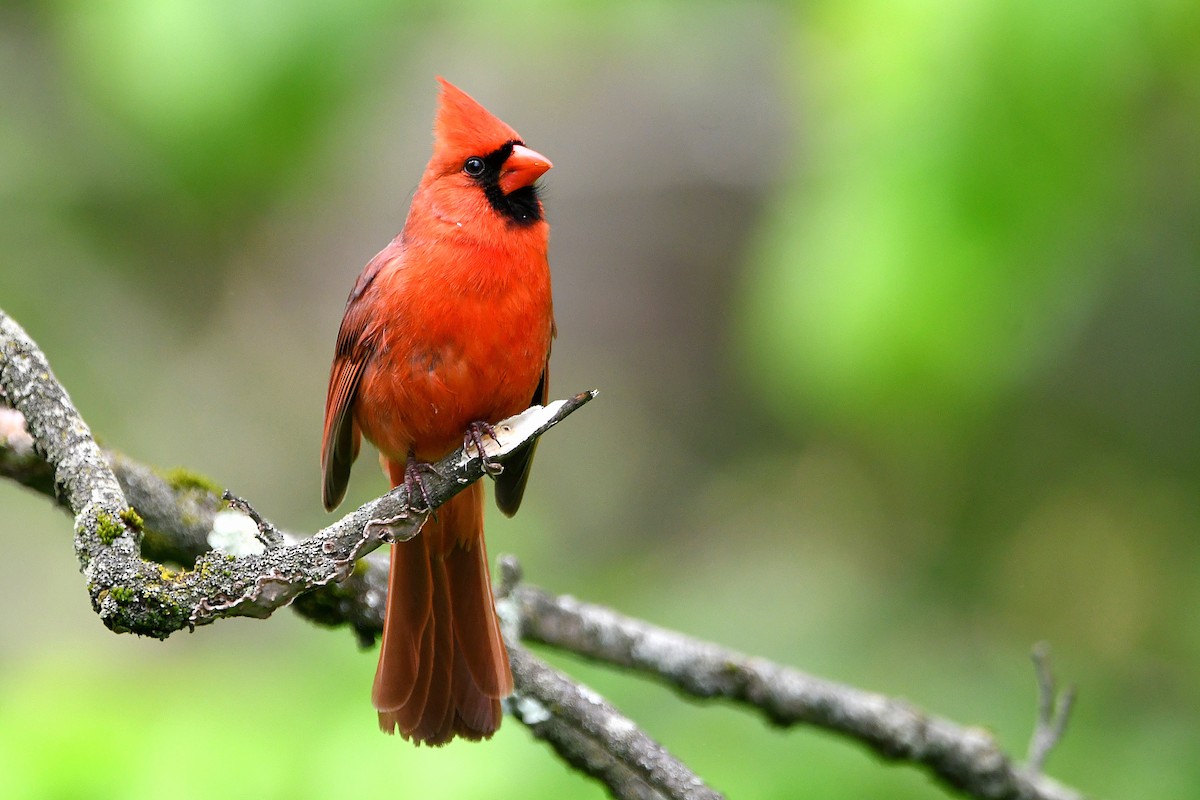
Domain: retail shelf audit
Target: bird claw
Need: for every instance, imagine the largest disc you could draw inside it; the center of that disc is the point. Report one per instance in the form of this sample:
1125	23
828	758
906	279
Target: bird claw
474	438
417	502
414	484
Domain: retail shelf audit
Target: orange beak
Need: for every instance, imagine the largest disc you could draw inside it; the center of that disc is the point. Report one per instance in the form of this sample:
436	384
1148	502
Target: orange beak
521	168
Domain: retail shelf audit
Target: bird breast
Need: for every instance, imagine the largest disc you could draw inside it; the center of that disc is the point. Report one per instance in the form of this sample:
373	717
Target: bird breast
464	339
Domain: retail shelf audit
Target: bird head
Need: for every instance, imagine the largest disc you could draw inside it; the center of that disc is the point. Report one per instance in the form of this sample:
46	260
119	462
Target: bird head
475	150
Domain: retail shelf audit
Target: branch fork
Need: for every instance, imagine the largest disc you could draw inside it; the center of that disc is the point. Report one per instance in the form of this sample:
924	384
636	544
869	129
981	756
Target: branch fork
135	595
330	579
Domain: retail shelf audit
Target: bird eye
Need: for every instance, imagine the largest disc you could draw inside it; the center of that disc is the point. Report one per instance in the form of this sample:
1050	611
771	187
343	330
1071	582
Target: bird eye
473	166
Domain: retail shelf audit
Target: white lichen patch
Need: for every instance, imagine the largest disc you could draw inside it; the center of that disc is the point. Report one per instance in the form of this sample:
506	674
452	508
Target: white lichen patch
235	534
530	711
620	727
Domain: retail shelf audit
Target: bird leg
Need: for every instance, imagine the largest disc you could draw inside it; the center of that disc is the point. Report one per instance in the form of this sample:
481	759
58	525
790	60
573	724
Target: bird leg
414	483
418	501
474	437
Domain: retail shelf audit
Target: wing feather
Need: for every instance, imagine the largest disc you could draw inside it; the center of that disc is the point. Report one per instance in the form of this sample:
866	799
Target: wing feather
355	346
510	484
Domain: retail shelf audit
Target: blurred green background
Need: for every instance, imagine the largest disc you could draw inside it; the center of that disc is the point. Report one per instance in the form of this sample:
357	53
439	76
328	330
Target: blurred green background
893	308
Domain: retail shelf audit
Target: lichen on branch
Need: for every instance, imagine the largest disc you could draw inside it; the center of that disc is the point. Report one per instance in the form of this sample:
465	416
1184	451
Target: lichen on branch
130	521
137	595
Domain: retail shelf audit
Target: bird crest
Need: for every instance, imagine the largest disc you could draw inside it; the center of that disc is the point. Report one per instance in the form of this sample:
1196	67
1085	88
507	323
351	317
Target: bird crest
464	128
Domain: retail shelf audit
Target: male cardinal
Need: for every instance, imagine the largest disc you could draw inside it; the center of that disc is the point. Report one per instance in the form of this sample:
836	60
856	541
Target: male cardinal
447	331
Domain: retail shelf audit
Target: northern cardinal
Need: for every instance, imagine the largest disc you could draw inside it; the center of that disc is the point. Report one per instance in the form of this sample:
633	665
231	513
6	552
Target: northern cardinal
446	332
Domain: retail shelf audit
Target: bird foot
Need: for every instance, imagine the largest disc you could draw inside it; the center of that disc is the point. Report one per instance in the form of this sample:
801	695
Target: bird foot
414	483
474	438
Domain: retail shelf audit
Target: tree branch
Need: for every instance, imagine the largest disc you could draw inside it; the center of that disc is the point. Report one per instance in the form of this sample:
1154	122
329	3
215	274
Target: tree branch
595	738
584	729
328	584
967	759
324	582
132	594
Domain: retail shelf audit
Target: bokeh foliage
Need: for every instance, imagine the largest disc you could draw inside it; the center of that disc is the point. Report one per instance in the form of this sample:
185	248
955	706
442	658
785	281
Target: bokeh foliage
893	307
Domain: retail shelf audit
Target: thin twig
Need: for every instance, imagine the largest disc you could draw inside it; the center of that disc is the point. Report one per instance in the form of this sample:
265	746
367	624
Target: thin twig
968	759
1054	710
584	729
268	534
588	733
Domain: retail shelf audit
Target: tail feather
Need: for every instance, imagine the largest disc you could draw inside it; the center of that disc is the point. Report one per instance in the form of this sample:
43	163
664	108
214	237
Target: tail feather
476	626
406	651
442	665
478	710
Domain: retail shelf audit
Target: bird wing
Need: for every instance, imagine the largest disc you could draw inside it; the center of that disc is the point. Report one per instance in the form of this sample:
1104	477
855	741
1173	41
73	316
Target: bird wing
510	484
355	346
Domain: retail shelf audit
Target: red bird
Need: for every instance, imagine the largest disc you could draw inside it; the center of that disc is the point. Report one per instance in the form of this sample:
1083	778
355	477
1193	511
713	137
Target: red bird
446	331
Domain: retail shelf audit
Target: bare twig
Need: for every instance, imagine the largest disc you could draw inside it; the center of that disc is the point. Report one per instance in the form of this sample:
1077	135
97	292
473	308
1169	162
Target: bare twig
968	759
594	737
1054	710
268	534
584	729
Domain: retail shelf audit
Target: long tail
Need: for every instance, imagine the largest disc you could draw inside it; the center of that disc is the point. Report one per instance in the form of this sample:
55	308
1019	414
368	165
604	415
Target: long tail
442	665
